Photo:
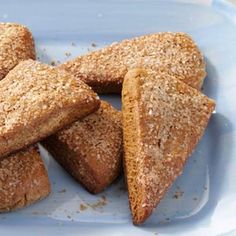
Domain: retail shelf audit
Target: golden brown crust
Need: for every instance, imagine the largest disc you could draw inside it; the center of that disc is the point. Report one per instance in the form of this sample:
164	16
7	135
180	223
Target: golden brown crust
37	100
175	54
23	180
91	149
163	120
16	45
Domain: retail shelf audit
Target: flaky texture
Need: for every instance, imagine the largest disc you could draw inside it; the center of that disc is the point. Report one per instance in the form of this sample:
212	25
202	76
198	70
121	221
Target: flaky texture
37	100
163	120
16	44
171	53
91	149
23	180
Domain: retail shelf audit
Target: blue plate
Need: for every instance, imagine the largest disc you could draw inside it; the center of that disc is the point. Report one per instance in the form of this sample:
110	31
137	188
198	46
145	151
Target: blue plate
207	189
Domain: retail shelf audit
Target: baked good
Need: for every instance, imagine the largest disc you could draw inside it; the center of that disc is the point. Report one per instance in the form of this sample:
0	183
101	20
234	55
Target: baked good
23	180
90	149
37	100
175	54
163	120
16	44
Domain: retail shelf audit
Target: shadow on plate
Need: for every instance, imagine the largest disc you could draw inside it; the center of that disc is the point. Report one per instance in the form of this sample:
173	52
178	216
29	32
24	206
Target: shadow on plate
210	85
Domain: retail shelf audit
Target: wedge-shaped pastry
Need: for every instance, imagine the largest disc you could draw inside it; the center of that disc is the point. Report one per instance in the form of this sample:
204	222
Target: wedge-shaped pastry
23	180
16	44
91	149
37	100
172	53
163	120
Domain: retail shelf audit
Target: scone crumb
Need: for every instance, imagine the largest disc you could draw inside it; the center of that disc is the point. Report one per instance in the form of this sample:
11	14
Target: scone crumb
178	194
68	54
83	207
53	63
99	204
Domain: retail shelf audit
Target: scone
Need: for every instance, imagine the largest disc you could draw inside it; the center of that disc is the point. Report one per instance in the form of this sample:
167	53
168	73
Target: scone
174	54
23	180
163	120
37	100
16	44
90	149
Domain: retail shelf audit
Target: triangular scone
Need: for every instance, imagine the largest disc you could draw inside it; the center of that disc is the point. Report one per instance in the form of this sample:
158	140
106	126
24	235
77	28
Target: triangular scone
23	179
16	45
91	149
37	100
163	120
172	53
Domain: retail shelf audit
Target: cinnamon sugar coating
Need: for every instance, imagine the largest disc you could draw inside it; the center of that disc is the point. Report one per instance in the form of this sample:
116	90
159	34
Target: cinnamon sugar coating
174	54
37	100
16	45
163	120
91	149
23	180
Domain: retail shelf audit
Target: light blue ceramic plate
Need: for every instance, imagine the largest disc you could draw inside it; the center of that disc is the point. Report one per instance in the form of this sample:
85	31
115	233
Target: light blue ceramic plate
208	185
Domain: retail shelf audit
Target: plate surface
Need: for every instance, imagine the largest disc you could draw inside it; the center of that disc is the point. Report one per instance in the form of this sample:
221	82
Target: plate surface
207	189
